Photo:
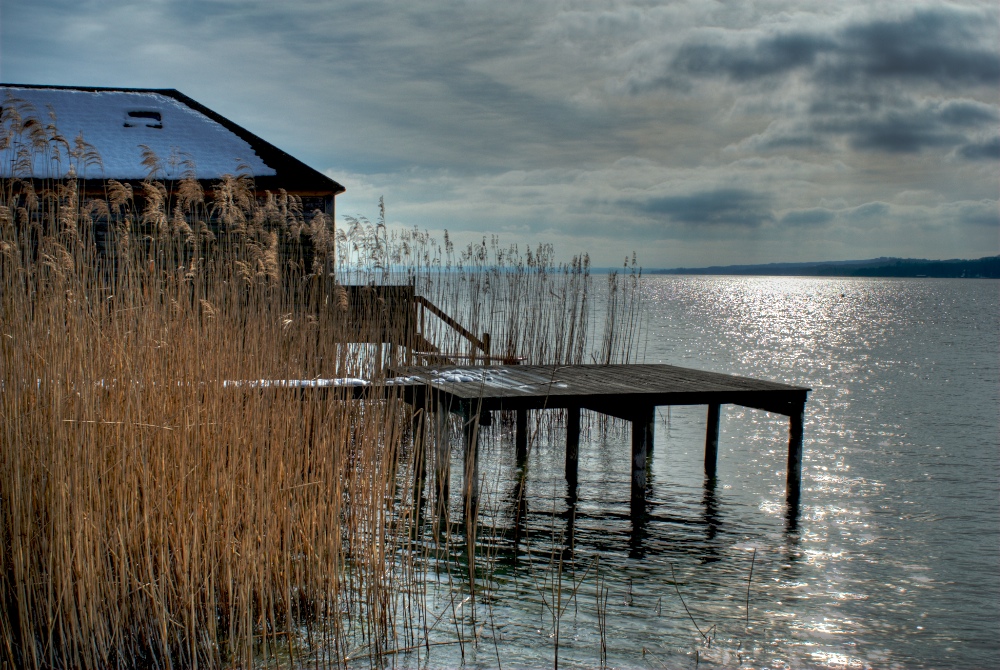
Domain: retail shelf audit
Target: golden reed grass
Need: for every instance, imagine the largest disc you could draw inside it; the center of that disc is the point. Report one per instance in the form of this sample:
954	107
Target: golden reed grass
154	515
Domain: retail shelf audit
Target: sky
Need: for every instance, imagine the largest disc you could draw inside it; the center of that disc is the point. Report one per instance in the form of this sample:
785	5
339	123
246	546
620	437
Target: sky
691	133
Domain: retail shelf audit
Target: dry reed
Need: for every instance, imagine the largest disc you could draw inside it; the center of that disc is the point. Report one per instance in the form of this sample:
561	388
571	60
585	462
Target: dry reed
156	508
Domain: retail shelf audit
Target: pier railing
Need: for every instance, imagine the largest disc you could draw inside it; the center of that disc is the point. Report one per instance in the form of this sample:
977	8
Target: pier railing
396	315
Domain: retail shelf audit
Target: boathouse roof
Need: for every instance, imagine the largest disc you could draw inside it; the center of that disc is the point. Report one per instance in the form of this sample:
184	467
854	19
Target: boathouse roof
120	122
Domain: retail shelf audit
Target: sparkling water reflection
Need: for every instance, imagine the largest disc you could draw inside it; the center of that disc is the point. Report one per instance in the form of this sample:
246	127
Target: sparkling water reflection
892	560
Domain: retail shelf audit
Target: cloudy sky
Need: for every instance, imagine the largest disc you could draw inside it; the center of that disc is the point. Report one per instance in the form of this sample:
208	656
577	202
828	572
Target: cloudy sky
695	133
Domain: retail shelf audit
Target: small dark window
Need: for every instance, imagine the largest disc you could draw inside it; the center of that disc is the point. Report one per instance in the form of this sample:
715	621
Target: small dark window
143	118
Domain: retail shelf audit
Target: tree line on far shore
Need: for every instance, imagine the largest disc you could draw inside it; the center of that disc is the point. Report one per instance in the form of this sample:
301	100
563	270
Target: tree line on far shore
987	267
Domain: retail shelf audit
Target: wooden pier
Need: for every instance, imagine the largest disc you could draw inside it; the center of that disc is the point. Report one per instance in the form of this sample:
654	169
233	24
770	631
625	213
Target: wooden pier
630	392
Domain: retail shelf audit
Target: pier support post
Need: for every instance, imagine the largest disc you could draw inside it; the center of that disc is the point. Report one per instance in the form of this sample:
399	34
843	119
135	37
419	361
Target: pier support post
572	444
470	429
712	440
442	460
794	481
642	437
521	436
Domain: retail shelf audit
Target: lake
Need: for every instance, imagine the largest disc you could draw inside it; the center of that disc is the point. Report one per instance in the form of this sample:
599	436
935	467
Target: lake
892	561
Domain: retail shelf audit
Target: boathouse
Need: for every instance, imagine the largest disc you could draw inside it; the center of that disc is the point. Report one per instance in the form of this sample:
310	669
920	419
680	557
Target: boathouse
122	128
119	122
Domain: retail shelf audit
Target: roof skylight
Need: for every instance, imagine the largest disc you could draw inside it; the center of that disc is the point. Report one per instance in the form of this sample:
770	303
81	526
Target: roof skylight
142	118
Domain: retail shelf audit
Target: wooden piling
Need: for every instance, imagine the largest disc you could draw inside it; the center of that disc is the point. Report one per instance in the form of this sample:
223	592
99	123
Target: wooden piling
794	480
642	437
572	443
521	436
712	440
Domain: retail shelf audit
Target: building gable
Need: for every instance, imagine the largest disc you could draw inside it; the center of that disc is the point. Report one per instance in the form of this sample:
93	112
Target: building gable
183	134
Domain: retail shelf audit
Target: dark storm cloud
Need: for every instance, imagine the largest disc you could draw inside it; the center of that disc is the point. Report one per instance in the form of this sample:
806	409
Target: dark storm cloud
895	133
903	127
988	150
775	55
947	47
967	114
895	137
724	206
875	83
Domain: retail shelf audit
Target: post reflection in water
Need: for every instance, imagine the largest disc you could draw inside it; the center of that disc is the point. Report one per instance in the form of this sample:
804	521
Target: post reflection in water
792	516
711	512
651	508
655	522
519	507
517	504
569	538
640	511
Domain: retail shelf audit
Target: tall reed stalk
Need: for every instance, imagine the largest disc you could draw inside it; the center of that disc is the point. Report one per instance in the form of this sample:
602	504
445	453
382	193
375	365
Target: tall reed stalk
156	507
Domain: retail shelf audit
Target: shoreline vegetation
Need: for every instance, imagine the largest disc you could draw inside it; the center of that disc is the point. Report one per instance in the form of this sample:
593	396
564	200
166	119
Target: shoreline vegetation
152	515
987	267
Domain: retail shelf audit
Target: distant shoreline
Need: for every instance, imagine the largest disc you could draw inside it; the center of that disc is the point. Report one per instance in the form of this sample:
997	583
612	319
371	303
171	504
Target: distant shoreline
983	268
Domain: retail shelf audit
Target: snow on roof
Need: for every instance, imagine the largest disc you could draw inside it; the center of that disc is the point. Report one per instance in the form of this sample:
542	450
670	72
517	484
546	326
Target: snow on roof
117	122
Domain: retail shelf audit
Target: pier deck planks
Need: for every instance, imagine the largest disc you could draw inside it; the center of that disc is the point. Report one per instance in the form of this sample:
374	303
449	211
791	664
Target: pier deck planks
605	387
629	392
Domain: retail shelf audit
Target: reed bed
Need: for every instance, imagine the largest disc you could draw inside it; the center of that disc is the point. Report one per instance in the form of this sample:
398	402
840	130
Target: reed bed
160	509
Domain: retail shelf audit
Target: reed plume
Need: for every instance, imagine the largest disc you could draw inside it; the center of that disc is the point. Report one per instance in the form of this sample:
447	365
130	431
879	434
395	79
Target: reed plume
159	505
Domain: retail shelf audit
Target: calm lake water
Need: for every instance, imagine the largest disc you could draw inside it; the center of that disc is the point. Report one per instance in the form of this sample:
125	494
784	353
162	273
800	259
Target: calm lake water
892	561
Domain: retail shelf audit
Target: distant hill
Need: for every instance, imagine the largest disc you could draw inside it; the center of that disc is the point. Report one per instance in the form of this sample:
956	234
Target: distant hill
987	267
